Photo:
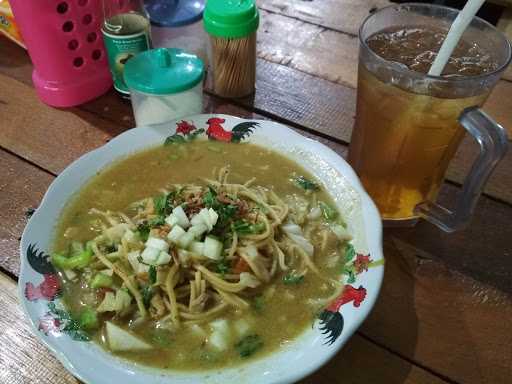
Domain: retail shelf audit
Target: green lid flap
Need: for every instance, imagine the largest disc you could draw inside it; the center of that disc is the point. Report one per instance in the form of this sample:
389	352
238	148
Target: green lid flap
163	71
231	18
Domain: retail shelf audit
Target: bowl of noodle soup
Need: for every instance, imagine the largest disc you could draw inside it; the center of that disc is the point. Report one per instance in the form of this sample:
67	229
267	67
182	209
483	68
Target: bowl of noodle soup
213	249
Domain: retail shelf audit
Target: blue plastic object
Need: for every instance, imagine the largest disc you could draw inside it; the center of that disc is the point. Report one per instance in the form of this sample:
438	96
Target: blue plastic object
174	13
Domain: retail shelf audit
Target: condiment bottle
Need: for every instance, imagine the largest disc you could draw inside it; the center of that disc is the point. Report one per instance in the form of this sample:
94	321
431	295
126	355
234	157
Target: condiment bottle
126	32
178	24
165	84
232	26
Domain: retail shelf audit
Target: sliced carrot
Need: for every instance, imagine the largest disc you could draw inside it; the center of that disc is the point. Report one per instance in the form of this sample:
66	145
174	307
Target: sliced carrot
241	266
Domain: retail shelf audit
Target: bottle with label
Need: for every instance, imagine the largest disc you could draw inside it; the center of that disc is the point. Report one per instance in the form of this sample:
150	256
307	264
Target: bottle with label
126	32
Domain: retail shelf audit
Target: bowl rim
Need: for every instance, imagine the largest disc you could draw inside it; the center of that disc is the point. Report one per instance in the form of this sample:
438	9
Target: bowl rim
370	214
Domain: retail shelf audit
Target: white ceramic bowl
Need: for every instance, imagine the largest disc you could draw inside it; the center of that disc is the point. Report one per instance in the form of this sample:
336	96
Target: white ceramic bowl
91	364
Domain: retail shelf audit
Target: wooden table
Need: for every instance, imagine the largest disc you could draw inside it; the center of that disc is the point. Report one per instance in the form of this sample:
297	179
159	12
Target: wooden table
445	310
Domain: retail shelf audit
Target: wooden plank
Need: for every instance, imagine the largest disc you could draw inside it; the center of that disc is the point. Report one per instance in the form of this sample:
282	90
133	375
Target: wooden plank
340	15
22	187
361	362
499	107
23	358
309	48
441	319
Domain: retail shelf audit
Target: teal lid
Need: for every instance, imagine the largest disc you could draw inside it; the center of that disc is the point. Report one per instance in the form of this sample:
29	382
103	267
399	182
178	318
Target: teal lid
163	71
231	18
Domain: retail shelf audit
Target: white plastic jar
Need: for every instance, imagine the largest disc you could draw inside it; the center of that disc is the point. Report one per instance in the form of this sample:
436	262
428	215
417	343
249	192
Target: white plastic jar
165	84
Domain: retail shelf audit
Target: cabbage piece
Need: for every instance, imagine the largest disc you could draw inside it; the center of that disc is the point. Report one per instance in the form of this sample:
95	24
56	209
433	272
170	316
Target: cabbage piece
249	280
315	213
294	233
116	232
122	340
298	208
220	338
130	236
115	302
341	232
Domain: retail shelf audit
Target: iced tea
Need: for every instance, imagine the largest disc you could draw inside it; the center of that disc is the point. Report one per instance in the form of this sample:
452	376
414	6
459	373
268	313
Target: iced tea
406	132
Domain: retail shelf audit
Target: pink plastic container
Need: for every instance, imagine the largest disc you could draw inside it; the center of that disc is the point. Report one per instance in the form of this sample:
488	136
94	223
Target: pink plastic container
64	41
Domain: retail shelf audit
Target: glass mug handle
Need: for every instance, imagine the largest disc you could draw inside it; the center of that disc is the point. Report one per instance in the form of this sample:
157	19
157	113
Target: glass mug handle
492	139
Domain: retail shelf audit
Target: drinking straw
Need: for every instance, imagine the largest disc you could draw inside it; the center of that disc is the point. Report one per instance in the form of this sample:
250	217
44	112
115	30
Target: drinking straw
454	34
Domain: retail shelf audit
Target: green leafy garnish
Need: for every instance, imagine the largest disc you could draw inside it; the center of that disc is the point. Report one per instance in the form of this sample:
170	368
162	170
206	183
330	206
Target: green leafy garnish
147	294
88	319
210	197
152	274
156	221
258	303
245	228
159	203
226	212
291	279
248	345
306	184
222	266
143	230
330	214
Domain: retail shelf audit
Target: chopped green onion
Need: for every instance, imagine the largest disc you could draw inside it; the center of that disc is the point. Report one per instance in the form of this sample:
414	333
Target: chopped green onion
306	184
75	262
291	279
100	280
248	345
245	228
152	274
147	295
88	319
330	214
258	303
143	231
222	266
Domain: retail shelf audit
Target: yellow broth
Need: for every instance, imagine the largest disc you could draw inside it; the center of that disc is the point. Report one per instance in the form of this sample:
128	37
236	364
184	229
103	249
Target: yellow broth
287	310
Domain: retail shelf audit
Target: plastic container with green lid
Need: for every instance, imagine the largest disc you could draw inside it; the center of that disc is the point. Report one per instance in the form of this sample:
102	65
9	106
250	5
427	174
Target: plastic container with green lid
232	26
165	84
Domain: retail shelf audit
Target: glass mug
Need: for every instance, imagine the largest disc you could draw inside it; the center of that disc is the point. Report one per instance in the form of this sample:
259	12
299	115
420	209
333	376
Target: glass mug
409	125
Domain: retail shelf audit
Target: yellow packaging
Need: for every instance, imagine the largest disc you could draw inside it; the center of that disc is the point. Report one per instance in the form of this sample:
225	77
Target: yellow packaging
8	26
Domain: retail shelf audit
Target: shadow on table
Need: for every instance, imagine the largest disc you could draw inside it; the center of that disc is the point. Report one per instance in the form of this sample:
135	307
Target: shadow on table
371	355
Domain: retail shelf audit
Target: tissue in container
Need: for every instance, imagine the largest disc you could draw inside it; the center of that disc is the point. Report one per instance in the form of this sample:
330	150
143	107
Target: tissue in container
165	84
